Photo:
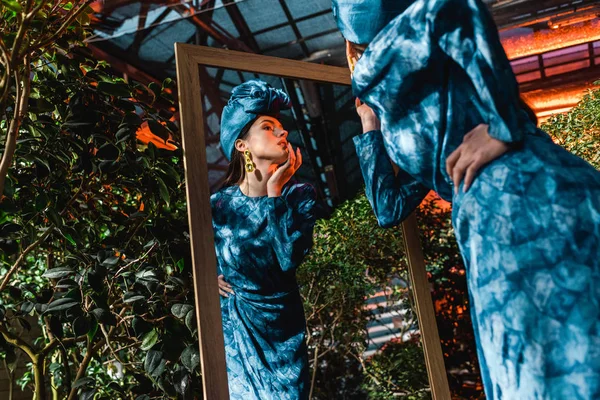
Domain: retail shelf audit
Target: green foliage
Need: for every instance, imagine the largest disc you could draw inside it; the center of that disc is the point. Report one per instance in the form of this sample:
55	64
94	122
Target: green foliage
578	131
397	372
352	258
100	224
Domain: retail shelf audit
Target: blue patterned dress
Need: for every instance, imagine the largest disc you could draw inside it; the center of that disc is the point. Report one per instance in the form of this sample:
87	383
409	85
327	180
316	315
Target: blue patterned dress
529	226
260	241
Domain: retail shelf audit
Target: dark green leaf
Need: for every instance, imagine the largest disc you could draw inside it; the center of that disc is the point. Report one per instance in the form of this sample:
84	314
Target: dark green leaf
140	326
149	340
93	329
54	217
154	364
114	89
131	297
146	275
158	129
190	320
85	381
108	152
58	272
104	316
26	307
41	201
70	239
96	280
110	261
56	327
156	88
124	134
81	326
164	192
183	384
190	357
9	228
133	120
167	83
115	386
61	304
12	5
87	395
11	359
181	310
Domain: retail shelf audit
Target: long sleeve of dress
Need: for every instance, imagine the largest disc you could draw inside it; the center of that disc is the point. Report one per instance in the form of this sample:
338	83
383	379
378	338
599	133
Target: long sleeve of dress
291	221
392	197
465	31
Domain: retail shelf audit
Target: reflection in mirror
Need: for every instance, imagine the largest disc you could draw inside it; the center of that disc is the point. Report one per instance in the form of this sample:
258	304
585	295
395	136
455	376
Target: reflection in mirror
314	294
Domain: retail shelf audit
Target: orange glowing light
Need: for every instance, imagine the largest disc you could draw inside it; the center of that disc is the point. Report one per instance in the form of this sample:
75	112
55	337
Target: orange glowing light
558	37
145	135
549	101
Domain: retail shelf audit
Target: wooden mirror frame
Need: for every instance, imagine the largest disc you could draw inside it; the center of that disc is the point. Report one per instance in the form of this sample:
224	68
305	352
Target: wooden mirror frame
188	58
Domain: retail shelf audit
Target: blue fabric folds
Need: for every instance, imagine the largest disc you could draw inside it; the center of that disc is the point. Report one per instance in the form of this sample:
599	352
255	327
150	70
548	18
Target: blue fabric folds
260	241
529	226
247	102
360	21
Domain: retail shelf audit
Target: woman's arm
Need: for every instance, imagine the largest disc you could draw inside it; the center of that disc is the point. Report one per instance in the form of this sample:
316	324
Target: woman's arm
291	222
392	197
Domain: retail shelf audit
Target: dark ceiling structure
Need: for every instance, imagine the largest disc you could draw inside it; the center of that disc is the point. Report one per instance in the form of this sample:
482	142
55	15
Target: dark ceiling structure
137	38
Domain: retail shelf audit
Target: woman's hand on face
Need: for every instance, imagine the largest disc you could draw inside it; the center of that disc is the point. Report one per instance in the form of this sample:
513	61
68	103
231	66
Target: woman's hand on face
369	120
477	149
284	172
224	287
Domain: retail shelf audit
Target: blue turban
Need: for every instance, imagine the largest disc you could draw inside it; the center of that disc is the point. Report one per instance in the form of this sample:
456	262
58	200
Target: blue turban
247	102
361	20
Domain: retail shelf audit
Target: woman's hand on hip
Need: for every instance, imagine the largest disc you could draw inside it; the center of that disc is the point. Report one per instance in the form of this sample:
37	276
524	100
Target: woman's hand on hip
224	287
284	172
369	120
477	149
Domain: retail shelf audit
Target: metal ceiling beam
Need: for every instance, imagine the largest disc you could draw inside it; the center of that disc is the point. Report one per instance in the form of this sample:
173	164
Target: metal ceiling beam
290	18
141	33
242	26
284	24
302	40
197	18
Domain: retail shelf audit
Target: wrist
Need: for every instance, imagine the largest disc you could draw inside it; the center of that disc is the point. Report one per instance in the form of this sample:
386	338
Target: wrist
273	191
370	124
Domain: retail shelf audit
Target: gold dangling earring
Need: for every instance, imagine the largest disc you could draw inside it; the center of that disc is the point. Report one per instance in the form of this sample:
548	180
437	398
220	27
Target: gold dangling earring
250	167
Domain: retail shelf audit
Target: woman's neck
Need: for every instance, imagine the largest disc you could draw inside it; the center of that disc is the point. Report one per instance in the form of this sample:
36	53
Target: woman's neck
254	183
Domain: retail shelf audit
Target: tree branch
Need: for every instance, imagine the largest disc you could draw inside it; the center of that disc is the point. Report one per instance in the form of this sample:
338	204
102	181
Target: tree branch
17	263
18	342
22	99
55	342
89	354
6	79
62	28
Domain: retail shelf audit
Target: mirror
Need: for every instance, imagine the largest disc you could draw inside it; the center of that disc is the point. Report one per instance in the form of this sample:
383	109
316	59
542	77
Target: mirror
265	334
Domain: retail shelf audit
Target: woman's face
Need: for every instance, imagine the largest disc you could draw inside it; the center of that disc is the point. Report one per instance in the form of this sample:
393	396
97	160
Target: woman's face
266	140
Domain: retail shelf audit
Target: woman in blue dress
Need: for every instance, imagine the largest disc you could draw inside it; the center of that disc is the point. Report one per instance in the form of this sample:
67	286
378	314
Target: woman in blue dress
263	228
442	104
